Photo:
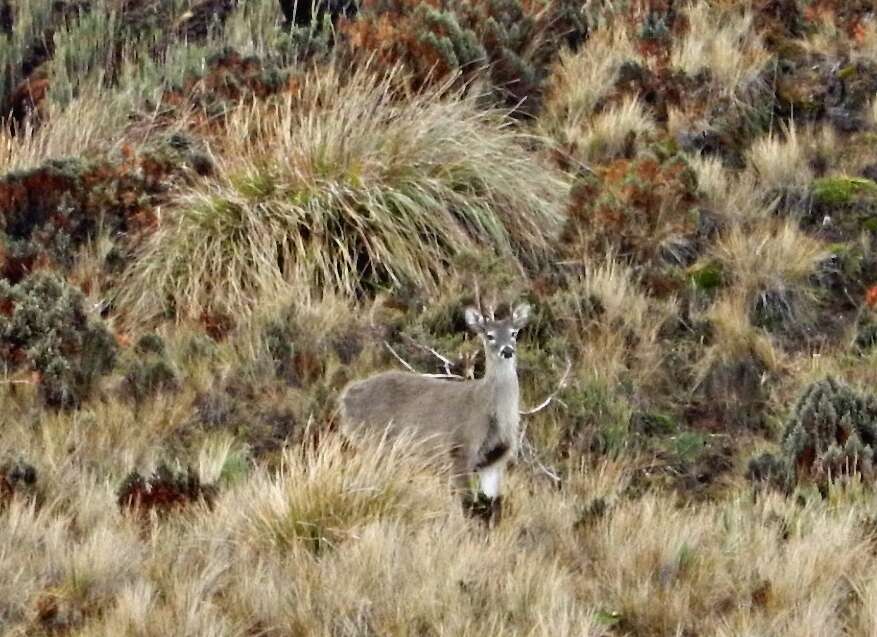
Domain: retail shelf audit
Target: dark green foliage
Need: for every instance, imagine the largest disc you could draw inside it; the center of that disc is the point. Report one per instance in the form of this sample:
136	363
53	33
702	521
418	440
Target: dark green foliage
163	491
44	325
831	432
515	41
866	336
148	378
16	476
148	372
151	344
768	469
652	424
707	276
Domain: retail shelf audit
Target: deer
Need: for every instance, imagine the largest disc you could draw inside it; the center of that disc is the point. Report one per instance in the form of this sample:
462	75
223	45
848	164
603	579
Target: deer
477	421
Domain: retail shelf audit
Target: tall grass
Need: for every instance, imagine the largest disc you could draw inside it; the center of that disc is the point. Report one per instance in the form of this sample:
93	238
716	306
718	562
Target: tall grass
30	20
344	187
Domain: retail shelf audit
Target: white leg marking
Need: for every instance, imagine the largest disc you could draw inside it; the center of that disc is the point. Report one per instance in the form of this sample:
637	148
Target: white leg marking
490	479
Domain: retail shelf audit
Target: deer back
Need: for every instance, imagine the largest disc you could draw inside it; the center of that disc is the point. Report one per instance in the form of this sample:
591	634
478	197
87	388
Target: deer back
455	411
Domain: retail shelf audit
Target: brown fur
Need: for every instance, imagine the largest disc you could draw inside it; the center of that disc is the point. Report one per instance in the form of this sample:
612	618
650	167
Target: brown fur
477	421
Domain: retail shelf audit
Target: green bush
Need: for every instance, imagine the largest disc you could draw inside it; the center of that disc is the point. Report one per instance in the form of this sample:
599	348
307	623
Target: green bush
831	433
44	325
515	41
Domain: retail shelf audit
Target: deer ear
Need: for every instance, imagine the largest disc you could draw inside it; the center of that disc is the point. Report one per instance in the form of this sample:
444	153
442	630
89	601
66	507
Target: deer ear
474	320
521	315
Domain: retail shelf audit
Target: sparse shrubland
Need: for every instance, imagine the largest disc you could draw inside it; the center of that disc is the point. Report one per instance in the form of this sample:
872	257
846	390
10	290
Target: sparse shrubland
213	215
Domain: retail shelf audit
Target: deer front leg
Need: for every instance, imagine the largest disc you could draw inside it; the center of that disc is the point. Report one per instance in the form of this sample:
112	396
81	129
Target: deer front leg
490	479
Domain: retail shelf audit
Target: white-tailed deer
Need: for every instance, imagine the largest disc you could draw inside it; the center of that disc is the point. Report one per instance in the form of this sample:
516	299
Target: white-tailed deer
478	420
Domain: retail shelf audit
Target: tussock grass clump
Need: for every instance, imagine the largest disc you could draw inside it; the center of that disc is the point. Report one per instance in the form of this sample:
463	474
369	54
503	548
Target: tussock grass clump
780	163
343	187
722	43
323	495
772	265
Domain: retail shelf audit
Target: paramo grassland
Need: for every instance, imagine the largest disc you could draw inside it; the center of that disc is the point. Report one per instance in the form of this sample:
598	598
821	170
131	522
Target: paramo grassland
215	213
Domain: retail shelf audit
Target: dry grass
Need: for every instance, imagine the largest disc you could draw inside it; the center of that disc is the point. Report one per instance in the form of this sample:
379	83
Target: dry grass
88	125
611	133
349	212
396	556
619	326
780	161
581	80
770	255
722	42
345	187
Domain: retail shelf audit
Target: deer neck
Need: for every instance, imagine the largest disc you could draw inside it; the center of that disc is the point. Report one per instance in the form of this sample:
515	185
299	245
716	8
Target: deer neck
501	377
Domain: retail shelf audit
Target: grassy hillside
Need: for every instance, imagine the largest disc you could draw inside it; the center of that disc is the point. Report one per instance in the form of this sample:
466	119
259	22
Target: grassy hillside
214	214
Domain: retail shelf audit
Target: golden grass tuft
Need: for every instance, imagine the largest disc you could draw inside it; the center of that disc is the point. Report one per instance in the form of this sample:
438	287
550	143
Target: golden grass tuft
722	42
344	187
780	162
582	79
324	496
770	255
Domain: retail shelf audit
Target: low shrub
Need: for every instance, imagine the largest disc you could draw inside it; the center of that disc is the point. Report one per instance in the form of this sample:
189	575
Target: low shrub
163	491
831	433
44	326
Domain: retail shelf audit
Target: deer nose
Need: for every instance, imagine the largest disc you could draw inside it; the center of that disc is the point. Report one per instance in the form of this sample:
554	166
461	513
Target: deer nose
507	351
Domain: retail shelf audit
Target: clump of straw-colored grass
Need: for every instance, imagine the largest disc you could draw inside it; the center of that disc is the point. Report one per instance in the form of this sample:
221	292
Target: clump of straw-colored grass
343	186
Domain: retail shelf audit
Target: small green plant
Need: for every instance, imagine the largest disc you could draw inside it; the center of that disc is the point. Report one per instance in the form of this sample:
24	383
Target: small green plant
44	325
707	276
148	370
839	191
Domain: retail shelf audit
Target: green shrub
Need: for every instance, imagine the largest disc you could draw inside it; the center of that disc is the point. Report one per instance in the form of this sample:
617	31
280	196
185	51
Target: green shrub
839	191
831	433
514	40
769	469
147	370
44	325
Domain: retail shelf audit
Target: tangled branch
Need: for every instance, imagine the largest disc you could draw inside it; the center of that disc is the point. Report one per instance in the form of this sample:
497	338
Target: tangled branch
560	386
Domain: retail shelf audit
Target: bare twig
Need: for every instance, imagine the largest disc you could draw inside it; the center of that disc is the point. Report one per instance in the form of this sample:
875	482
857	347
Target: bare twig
16	382
528	451
447	362
560	385
411	369
528	455
405	363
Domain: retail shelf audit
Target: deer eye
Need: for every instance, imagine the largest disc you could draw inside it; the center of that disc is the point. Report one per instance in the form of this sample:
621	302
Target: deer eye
515	333
491	337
